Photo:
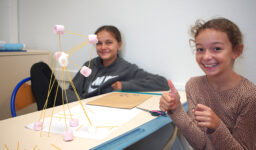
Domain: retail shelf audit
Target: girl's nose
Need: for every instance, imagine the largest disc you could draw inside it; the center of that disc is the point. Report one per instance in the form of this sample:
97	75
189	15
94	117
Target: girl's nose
103	46
207	55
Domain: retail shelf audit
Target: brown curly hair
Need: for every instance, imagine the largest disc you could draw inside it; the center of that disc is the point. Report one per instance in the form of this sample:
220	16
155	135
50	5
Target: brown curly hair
220	24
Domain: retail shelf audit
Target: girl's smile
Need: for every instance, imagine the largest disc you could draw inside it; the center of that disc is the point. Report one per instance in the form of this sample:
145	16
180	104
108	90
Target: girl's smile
214	52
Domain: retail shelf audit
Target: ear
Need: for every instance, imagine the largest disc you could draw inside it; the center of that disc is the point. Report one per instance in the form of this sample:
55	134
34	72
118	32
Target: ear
119	45
238	51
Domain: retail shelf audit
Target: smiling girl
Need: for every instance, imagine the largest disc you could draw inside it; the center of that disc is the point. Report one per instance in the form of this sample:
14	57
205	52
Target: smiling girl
109	72
221	103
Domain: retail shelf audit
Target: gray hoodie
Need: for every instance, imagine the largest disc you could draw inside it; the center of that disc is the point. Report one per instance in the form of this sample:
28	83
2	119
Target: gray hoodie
101	79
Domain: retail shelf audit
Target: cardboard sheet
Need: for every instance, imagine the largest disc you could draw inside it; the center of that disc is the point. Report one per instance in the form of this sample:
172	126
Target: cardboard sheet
120	100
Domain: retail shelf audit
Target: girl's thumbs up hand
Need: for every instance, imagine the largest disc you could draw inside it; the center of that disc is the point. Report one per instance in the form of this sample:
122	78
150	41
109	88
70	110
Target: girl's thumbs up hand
169	101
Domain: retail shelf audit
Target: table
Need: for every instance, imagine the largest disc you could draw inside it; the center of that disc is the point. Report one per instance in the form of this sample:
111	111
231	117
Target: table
14	133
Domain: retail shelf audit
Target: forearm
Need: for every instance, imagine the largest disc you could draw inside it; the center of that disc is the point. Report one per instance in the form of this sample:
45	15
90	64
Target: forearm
223	139
188	127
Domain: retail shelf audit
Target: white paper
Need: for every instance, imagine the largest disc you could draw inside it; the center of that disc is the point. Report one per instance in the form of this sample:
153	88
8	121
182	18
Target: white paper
104	121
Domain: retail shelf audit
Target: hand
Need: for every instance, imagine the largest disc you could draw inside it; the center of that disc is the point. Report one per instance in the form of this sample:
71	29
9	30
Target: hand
117	85
206	117
169	101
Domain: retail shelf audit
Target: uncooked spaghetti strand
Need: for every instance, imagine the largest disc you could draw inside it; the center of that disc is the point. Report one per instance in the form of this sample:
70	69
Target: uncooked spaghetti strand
62	76
74	88
76	47
53	110
65	89
90	58
60	43
75	33
76	65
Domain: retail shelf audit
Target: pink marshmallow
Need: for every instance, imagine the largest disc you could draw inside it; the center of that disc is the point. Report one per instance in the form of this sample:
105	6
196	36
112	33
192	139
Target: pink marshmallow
73	123
68	136
57	55
38	125
92	38
58	29
85	71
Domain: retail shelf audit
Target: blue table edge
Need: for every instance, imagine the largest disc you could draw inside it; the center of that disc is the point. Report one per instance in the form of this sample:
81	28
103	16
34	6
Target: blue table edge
136	134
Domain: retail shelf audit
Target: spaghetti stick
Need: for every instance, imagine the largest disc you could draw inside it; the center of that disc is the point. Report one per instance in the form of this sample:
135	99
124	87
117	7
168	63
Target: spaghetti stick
73	86
49	90
60	43
78	48
55	146
64	85
53	110
66	114
79	127
18	145
75	64
6	147
46	102
62	75
60	117
75	47
35	147
90	58
75	33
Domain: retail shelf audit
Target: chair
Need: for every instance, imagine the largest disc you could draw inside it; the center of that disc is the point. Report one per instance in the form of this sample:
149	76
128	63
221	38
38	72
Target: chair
172	138
22	96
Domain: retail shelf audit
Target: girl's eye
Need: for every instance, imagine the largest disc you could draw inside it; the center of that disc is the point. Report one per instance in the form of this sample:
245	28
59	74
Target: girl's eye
199	49
217	48
108	42
99	43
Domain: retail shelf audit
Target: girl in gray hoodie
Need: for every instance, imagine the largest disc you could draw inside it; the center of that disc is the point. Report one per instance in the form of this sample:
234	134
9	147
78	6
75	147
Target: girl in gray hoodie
109	73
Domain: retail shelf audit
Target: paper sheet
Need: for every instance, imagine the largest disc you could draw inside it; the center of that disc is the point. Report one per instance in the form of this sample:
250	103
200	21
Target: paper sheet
105	119
121	100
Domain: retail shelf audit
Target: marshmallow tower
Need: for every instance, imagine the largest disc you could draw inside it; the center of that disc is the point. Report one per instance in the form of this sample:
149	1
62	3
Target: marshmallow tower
58	29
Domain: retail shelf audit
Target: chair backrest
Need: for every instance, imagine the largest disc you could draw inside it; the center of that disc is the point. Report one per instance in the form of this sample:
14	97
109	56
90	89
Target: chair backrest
22	96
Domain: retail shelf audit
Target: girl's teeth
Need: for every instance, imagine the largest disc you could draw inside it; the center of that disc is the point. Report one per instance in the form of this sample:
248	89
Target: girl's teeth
210	65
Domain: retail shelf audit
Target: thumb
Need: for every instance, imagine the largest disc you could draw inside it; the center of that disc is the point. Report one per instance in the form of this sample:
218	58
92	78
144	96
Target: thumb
172	88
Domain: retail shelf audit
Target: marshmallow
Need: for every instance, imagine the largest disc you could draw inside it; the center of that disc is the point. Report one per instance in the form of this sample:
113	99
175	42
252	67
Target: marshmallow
73	123
58	29
85	71
68	136
93	38
38	125
63	59
57	55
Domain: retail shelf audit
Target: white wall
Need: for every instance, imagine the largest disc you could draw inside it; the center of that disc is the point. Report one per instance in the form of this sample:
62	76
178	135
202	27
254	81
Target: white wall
9	21
155	32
